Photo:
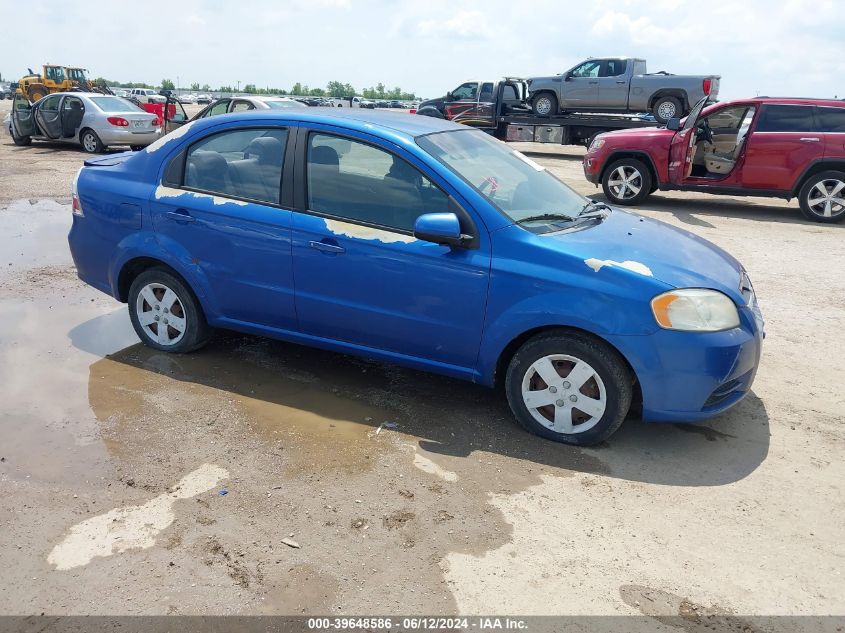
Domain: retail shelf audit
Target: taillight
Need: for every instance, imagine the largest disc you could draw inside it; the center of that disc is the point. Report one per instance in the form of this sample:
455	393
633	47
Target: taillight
118	121
707	84
412	111
76	205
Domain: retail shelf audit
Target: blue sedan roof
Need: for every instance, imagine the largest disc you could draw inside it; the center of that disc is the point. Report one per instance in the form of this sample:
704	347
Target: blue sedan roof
410	125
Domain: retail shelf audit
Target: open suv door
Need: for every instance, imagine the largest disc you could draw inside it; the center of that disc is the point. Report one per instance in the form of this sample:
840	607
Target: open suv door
682	149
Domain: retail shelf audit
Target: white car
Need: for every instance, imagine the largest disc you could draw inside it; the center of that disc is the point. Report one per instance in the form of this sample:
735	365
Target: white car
187	99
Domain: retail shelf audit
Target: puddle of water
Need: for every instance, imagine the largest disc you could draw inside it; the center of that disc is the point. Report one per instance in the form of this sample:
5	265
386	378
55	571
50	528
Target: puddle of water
33	235
315	425
48	430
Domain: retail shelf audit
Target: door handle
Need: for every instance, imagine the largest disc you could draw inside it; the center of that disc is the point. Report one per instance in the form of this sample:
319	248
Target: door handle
327	247
621	82
180	215
810	139
593	82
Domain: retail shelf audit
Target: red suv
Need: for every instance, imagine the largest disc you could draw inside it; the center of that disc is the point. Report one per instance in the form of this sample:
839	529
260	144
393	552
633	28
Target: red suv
753	147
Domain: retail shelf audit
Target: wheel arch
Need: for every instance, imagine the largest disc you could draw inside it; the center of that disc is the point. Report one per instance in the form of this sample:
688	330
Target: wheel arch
639	155
507	353
678	93
817	167
137	265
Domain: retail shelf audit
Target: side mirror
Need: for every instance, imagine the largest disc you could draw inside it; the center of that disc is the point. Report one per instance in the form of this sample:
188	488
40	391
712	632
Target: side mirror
673	124
440	228
567	77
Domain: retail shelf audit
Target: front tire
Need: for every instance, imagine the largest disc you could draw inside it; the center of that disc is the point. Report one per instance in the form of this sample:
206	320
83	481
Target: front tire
666	108
90	142
569	388
626	181
165	313
544	104
822	198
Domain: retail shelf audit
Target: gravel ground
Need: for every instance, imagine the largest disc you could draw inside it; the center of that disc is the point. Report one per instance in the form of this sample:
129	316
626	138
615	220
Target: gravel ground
258	477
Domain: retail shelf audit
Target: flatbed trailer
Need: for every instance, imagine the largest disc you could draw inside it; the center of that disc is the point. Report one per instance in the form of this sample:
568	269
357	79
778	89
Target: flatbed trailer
565	129
505	114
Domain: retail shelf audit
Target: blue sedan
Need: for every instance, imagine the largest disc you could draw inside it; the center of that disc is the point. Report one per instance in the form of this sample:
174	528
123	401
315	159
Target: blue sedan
424	243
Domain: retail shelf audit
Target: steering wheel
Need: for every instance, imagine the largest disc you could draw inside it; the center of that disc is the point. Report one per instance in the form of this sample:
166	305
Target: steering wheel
705	131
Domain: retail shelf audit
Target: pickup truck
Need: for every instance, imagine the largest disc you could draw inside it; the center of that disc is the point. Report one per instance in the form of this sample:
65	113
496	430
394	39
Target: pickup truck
620	84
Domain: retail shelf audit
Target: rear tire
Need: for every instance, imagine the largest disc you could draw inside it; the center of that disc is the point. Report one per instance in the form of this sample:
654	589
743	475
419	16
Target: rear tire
627	181
819	196
557	372
666	108
159	299
544	104
90	142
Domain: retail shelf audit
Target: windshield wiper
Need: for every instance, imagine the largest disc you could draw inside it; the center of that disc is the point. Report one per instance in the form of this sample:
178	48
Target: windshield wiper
593	209
546	216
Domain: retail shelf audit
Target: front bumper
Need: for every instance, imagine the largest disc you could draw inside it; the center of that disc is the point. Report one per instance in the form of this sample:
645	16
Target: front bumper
592	169
688	376
118	136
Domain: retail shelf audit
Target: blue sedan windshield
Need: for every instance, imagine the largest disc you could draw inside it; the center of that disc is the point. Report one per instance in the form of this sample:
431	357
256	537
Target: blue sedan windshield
518	186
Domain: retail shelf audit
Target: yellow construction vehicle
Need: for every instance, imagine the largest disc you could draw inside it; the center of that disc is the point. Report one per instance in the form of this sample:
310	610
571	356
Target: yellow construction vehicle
56	79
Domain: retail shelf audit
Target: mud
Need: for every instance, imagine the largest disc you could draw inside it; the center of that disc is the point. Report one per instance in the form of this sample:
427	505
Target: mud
406	492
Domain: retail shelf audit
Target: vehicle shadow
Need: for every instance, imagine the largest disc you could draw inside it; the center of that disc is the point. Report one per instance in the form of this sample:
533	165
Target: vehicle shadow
685	210
443	416
49	147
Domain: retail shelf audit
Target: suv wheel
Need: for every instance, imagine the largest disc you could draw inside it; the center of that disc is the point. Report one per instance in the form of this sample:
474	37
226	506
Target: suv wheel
568	388
165	313
626	181
822	197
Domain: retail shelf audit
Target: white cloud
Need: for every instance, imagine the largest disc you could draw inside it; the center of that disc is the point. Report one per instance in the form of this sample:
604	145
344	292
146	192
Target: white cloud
789	47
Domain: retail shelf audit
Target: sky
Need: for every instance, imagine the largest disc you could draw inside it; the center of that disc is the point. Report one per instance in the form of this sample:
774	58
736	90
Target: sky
759	47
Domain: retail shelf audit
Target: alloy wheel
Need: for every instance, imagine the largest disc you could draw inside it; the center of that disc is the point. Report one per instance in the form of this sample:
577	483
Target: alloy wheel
564	393
544	105
161	314
666	110
827	198
625	182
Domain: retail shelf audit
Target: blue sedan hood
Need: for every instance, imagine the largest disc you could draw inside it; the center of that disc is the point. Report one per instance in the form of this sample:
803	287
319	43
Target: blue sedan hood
652	248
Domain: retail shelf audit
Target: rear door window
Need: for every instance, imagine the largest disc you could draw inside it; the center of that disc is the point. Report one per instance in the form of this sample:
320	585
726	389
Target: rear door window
242	106
219	108
355	181
614	68
239	163
785	118
831	119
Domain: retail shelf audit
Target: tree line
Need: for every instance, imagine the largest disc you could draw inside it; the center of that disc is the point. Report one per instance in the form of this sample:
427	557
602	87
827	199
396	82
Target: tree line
332	89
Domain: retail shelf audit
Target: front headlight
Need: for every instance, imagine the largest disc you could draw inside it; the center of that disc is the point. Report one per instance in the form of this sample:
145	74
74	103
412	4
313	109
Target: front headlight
695	310
596	144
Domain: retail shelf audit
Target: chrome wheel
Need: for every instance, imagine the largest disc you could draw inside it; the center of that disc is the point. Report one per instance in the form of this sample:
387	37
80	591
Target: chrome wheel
625	182
826	199
666	110
543	105
89	142
565	394
160	314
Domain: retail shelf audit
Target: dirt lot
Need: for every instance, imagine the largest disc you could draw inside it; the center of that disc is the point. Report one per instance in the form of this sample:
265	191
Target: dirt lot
138	482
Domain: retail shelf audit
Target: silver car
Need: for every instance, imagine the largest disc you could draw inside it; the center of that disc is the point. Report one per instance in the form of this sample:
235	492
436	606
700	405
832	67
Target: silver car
93	120
242	104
